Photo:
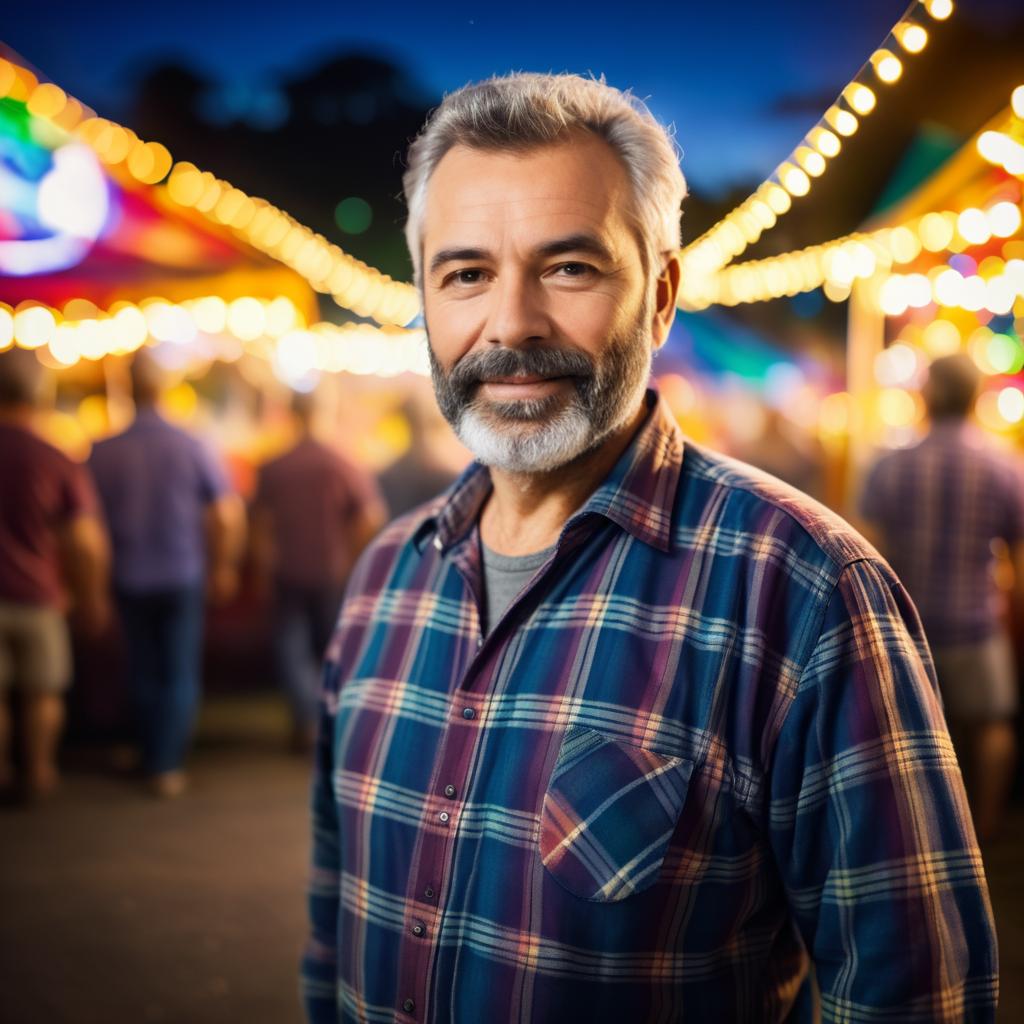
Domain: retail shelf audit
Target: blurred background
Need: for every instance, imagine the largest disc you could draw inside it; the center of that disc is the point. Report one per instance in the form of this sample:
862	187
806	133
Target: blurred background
220	188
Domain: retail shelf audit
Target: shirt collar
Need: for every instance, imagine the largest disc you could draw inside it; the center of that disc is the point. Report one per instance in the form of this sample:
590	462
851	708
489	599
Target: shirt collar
638	494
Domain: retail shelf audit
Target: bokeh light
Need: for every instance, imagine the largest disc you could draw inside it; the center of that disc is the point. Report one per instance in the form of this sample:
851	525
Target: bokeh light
353	215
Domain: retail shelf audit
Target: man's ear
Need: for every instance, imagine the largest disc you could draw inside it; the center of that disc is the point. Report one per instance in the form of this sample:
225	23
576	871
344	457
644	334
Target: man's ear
665	295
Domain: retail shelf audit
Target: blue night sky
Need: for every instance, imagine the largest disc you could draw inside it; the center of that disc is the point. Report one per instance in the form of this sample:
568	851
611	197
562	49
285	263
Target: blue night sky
714	69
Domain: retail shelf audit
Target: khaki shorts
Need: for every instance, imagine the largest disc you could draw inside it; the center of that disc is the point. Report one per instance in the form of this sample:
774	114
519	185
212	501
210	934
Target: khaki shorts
978	681
35	649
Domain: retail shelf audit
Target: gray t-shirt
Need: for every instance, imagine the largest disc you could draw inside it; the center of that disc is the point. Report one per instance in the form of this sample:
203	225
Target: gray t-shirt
504	577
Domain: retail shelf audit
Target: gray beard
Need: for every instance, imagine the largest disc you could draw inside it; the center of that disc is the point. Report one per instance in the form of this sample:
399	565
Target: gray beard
540	435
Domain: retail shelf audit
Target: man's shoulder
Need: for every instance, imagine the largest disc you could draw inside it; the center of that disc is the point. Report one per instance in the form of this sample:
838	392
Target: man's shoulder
37	450
760	506
395	540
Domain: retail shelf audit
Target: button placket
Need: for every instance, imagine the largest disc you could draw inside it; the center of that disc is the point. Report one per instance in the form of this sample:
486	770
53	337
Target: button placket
450	774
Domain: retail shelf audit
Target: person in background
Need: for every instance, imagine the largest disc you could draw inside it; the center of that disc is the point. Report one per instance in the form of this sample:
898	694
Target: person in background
418	474
176	531
51	537
312	514
937	508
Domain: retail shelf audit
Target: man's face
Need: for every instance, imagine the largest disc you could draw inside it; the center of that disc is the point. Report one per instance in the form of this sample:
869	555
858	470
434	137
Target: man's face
537	307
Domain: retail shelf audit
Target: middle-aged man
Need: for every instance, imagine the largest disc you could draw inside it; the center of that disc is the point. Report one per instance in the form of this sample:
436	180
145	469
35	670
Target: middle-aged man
617	730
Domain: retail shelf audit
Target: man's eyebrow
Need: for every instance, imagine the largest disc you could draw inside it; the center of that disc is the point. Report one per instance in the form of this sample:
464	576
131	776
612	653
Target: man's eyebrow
577	243
443	256
581	242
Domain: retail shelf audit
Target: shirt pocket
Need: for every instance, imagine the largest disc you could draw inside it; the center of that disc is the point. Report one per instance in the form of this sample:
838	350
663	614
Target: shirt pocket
609	814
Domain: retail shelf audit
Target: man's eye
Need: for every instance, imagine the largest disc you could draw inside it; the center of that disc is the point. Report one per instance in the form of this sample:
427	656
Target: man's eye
574	269
467	276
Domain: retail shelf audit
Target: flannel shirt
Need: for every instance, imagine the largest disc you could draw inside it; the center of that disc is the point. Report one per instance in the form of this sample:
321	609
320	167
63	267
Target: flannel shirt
939	506
702	747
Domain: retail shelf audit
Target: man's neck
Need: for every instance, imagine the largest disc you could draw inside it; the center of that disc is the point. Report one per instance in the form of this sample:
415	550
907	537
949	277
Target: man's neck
526	511
18	415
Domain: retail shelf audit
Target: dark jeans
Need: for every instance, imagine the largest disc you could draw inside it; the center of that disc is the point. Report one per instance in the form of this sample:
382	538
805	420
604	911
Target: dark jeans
303	623
163	632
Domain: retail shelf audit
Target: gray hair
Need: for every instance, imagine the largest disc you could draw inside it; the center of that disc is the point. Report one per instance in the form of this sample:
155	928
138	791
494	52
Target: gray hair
524	111
22	378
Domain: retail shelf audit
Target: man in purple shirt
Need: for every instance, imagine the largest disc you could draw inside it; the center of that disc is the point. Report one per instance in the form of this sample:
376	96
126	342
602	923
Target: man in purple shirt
938	508
51	539
313	513
175	527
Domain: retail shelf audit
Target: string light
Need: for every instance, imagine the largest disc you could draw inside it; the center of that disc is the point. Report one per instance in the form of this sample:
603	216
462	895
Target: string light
1017	101
834	266
1002	150
261	326
887	66
730	236
351	283
860	97
825	142
913	38
940	10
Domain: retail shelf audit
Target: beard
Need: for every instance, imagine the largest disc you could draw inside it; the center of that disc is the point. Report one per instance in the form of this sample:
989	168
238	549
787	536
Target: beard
544	434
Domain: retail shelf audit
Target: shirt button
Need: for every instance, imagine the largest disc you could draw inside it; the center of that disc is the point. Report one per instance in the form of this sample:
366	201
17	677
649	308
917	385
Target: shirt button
443	816
468	713
450	791
417	930
408	1006
428	893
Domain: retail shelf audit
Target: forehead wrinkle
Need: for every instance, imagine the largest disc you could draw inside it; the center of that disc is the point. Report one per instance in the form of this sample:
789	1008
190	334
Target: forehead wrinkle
483	216
467	208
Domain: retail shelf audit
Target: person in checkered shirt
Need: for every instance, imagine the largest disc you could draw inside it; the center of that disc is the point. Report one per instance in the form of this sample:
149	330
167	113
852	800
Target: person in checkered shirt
617	729
939	507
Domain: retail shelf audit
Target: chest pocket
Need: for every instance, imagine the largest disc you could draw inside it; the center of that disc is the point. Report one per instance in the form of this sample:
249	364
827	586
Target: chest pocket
609	813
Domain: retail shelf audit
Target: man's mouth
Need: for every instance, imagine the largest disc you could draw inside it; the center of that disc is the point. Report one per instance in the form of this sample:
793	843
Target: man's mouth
519	379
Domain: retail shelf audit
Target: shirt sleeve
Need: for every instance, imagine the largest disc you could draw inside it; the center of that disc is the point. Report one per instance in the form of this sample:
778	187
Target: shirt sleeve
78	497
870	825
213	479
1013	529
320	958
871	494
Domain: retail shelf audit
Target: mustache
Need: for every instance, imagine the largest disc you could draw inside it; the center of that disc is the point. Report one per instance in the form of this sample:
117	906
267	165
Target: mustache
474	369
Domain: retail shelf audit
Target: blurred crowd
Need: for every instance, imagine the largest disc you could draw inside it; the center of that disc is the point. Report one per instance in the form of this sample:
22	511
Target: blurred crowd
149	541
141	540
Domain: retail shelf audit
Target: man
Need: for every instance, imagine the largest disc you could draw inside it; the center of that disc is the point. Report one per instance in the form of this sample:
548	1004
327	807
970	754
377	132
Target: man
422	471
174	525
50	538
312	515
698	744
939	506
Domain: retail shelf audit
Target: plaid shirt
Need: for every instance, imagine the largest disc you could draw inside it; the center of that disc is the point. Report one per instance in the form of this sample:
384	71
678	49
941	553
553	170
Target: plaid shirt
939	505
703	741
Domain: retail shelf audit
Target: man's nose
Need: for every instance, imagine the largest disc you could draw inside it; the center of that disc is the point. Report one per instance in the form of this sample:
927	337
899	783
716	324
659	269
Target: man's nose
517	315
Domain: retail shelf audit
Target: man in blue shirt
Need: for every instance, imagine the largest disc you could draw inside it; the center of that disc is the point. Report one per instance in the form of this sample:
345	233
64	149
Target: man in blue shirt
617	730
175	530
